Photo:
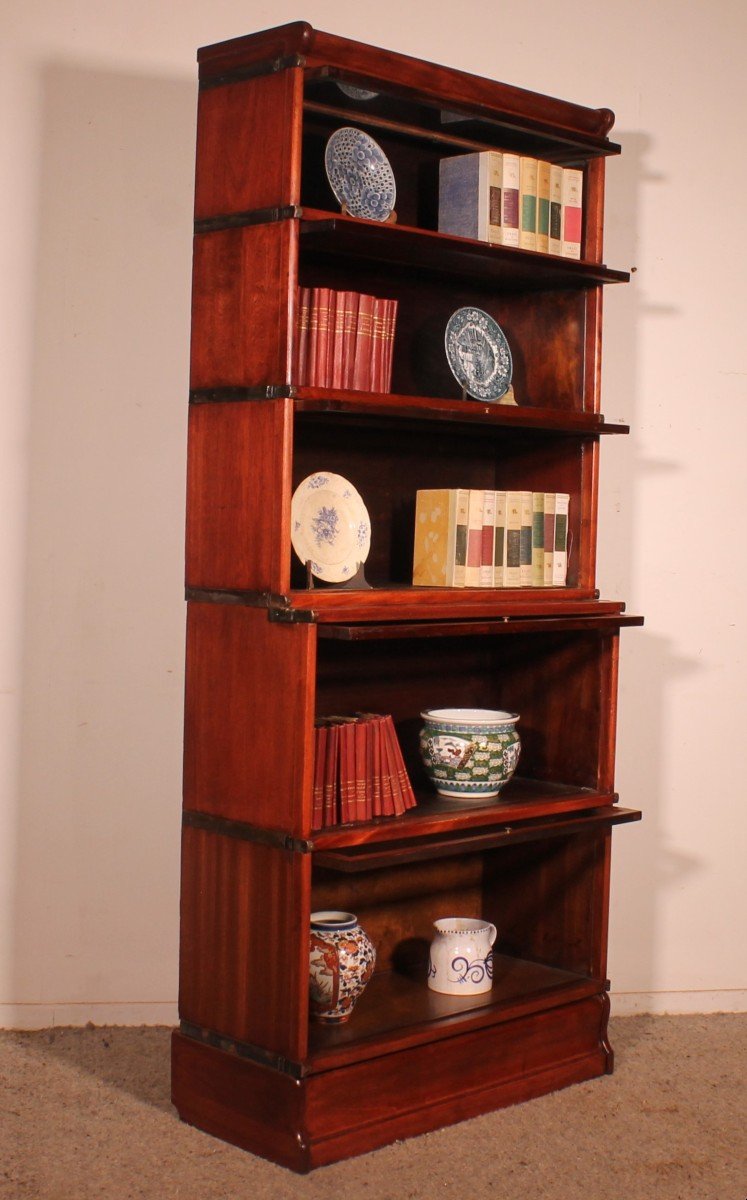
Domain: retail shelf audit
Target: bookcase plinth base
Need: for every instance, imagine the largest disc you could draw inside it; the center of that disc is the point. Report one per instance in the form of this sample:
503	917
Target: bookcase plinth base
309	1122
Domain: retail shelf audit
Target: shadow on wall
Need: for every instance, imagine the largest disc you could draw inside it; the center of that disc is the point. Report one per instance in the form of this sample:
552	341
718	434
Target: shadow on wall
644	866
97	897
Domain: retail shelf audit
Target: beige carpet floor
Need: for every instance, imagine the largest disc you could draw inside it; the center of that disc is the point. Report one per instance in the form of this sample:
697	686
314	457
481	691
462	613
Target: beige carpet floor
86	1114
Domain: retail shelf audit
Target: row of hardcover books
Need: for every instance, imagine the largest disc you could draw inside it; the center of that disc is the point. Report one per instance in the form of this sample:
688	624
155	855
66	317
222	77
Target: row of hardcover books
344	340
512	200
471	538
359	772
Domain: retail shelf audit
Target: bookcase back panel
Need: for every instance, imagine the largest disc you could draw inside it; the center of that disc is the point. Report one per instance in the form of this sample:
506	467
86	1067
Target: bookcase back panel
248	145
388	464
546	332
559	683
543	897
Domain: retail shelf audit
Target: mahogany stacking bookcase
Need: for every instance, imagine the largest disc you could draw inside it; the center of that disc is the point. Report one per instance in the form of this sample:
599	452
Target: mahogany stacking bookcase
266	654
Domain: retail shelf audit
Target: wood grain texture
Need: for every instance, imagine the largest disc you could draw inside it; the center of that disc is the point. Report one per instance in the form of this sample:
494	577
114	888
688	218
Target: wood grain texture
247	745
243	970
239	465
263	114
243	305
405	75
307	1123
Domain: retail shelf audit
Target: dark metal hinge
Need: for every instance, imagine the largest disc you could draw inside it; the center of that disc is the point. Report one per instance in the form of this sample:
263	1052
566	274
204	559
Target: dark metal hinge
253	216
235	395
267	67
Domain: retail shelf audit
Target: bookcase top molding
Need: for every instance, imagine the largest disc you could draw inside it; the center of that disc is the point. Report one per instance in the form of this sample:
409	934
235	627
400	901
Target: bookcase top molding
327	55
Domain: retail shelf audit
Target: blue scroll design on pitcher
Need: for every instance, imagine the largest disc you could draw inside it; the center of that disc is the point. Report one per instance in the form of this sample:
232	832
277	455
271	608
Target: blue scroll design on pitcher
472	972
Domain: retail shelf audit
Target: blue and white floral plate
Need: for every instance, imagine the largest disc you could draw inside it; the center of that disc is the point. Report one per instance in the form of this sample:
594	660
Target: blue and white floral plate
478	354
330	526
359	174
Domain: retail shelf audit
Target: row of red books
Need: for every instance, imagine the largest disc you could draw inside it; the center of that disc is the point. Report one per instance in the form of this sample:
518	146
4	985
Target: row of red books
359	772
345	340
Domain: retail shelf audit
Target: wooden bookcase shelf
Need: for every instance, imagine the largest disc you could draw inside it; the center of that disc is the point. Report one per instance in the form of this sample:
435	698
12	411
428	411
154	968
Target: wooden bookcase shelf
478	264
267	655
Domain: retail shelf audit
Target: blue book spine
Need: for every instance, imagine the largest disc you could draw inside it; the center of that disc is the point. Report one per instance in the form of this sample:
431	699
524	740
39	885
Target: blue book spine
458	195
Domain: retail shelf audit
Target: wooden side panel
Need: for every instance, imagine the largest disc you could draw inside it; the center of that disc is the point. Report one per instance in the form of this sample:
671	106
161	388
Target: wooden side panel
249	717
238	495
243	304
548	901
249	145
239	1101
244	950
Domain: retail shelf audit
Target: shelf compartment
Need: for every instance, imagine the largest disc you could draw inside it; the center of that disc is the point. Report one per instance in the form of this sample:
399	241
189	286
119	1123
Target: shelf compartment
442	254
362	405
365	857
397	1010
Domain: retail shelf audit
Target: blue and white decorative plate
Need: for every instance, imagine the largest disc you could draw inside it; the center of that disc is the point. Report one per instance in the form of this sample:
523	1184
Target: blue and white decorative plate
478	354
359	174
330	526
356	93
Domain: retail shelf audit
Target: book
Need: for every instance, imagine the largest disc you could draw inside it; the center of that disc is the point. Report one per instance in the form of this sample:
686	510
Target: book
499	549
560	551
460	541
469	195
321	299
361	378
330	806
378	345
528	204
434	550
549	507
336	364
573	181
510	181
512	570
350	301
320	752
391	324
556	210
543	206
488	540
474	538
538	539
302	339
527	525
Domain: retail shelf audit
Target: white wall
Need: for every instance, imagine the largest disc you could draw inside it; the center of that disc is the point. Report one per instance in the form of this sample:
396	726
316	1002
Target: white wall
98	105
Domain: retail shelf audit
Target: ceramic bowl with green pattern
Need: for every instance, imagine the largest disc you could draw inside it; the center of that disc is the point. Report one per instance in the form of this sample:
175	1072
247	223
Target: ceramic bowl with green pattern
469	753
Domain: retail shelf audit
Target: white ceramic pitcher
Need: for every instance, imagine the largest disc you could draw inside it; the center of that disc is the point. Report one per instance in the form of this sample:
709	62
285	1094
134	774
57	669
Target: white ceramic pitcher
461	959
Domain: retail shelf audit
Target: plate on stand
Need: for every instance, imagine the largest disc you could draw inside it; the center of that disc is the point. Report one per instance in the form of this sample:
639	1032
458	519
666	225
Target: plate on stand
330	526
478	354
360	174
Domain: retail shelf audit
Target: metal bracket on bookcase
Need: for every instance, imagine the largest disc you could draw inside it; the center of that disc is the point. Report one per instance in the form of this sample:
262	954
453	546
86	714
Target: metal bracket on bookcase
246	833
253	216
241	395
242	1049
269	66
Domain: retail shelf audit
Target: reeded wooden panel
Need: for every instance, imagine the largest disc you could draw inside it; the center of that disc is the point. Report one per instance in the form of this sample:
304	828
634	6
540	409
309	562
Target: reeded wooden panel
249	713
243	300
244	971
238	495
248	144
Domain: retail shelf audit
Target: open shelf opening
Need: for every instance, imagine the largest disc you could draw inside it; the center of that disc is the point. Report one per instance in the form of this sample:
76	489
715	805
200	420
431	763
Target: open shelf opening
560	684
538	896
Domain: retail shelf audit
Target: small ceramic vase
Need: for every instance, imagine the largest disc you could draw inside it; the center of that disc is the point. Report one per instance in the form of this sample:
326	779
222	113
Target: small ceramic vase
341	963
461	959
469	753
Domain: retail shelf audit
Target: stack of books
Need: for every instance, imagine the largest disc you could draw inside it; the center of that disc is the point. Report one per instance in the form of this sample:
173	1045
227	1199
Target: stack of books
344	340
512	200
359	772
471	538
